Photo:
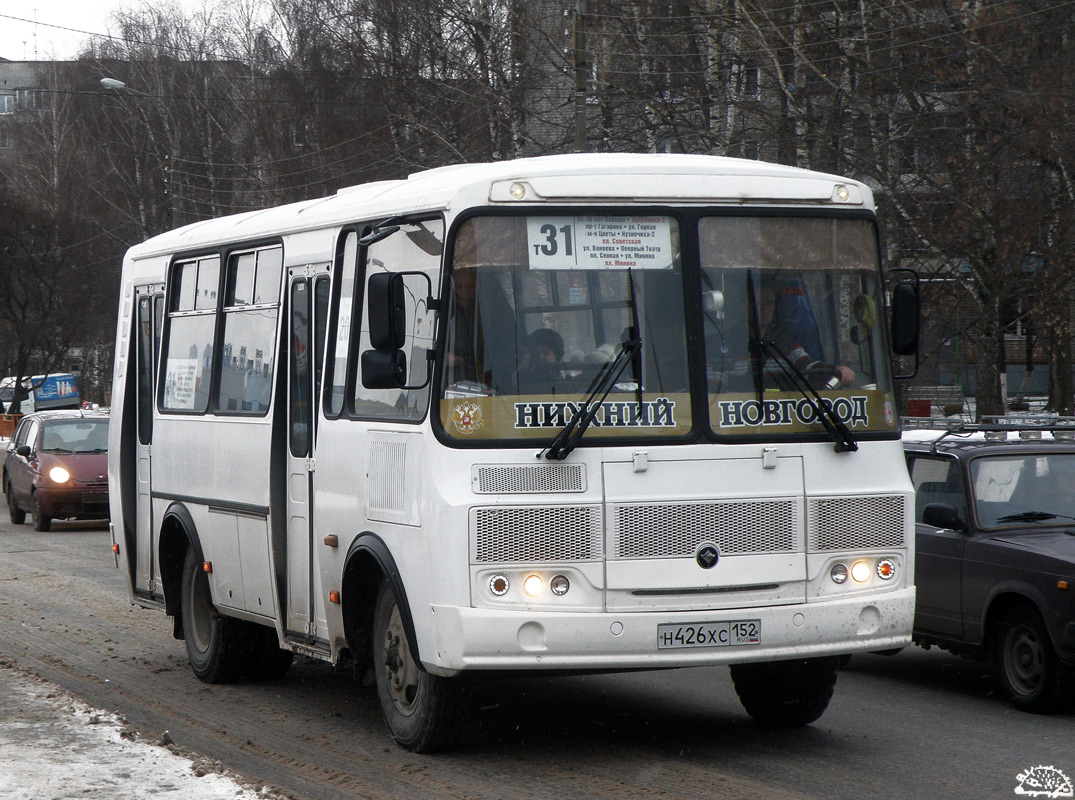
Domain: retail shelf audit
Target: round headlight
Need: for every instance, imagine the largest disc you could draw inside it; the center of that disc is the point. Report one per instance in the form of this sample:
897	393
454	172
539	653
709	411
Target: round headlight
860	571
59	475
559	585
498	585
838	573
533	585
886	569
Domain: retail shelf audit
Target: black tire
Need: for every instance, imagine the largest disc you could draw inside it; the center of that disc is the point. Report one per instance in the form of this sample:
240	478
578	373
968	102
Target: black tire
14	513
266	661
786	694
1030	671
422	710
42	523
218	647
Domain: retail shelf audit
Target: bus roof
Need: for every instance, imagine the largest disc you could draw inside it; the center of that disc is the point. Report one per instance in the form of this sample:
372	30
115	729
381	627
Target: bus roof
611	178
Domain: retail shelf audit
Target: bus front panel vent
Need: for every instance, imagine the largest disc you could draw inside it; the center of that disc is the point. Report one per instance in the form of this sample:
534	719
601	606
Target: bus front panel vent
528	478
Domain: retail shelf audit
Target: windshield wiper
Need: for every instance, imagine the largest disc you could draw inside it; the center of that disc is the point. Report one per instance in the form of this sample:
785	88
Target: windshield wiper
1032	516
844	441
568	438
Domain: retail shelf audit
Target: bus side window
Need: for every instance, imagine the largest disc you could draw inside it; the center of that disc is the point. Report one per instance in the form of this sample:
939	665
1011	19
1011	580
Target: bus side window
416	247
191	322
248	347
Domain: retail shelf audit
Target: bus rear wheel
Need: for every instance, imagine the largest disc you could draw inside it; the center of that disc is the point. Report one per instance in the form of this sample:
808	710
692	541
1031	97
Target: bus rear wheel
422	710
786	694
218	647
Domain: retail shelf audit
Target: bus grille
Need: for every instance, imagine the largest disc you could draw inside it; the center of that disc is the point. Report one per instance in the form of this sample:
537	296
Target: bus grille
677	530
528	479
536	533
853	523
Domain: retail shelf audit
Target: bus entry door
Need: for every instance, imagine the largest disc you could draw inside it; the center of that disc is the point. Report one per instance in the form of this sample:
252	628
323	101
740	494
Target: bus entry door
307	304
149	311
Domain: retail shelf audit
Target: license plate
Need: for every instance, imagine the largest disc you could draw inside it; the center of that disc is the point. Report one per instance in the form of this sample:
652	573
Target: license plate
709	634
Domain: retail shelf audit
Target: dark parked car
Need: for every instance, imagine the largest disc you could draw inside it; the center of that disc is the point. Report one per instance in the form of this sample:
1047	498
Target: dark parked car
57	467
995	552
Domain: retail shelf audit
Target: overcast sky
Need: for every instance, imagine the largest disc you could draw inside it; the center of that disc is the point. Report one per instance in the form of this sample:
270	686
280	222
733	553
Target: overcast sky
63	26
50	37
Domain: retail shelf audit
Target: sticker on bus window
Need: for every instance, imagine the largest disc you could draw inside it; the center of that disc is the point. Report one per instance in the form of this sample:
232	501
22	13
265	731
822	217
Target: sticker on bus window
599	242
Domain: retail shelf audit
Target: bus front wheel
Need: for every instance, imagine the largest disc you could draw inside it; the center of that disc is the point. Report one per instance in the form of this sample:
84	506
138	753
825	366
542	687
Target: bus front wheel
786	694
422	710
217	646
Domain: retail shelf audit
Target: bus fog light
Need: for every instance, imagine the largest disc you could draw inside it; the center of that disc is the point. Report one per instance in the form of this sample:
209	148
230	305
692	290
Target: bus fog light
838	573
860	571
533	585
59	475
559	585
886	569
498	585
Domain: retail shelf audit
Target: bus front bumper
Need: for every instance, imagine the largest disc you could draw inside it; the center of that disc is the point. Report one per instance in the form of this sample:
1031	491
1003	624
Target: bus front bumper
493	639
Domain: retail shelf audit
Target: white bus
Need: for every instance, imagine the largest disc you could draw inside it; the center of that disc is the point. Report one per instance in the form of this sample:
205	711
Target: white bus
600	412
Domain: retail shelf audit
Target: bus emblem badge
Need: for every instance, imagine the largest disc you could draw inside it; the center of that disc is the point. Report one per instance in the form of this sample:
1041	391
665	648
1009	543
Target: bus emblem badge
467	417
707	556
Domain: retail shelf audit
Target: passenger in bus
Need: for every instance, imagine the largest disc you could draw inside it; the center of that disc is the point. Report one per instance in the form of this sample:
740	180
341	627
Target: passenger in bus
543	367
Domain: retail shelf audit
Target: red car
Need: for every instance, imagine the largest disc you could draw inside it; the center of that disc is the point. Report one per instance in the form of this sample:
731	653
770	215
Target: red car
57	467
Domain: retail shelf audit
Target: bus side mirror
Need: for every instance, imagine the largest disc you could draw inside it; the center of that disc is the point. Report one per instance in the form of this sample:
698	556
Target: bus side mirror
905	316
387	313
384	369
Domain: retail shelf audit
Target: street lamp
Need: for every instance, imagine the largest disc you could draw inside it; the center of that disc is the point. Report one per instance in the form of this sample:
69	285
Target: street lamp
120	86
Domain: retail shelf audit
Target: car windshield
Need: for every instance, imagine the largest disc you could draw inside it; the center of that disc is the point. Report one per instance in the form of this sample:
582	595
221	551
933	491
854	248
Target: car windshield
1024	489
75	436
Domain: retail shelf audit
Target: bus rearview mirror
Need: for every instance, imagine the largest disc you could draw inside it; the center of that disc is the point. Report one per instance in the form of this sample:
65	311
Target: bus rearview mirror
387	314
384	369
905	319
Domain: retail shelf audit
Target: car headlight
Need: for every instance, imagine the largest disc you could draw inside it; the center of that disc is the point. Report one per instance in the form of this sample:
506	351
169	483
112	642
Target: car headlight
59	475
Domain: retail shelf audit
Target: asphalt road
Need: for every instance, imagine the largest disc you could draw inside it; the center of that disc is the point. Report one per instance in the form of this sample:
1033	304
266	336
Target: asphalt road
915	725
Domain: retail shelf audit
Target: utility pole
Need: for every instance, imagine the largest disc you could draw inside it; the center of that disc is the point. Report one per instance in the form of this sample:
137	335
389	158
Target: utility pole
581	75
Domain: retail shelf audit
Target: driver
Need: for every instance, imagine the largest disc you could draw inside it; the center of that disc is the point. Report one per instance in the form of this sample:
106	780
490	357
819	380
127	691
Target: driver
774	321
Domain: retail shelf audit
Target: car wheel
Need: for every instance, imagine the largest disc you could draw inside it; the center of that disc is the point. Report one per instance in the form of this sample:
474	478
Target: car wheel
15	514
786	694
1029	669
422	710
218	647
41	522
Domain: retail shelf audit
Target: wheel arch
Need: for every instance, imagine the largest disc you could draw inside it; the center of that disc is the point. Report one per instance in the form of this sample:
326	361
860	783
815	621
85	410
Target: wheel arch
178	533
1003	600
368	561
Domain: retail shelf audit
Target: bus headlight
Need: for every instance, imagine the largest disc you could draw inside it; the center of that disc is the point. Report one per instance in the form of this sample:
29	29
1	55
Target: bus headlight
559	585
886	569
59	475
838	573
860	571
533	585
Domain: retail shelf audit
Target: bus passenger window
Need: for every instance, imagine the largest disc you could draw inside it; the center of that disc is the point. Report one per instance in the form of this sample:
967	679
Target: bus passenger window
248	347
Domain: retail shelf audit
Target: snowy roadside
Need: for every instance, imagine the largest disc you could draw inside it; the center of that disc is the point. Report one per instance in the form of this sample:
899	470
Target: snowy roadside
54	747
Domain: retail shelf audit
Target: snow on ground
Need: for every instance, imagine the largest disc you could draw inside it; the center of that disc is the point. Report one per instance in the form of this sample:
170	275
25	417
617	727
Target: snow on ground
55	747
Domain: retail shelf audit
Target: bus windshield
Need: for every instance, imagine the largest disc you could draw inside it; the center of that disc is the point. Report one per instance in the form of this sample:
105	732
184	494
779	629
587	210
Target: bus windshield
793	316
540	307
